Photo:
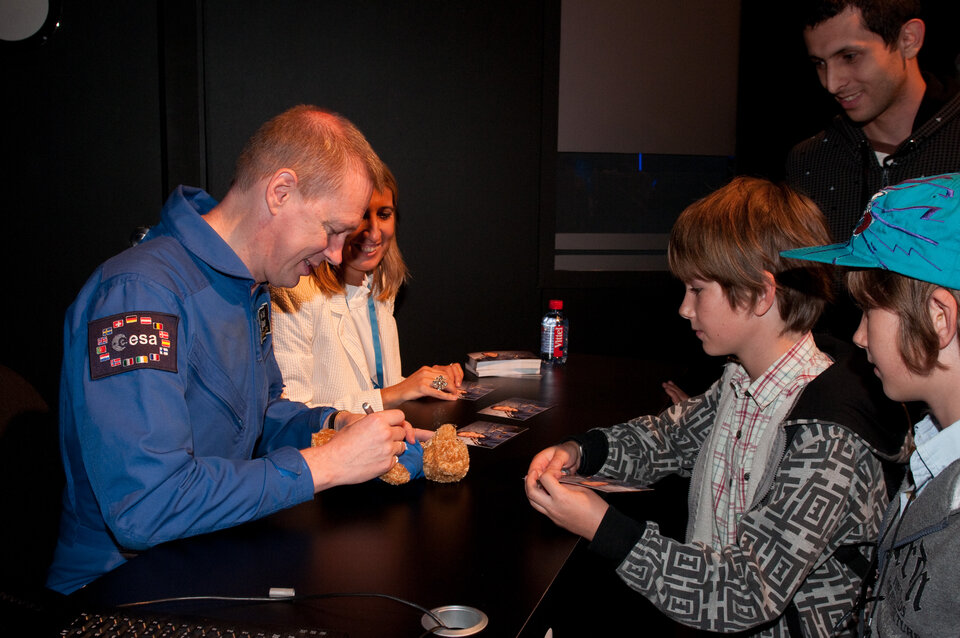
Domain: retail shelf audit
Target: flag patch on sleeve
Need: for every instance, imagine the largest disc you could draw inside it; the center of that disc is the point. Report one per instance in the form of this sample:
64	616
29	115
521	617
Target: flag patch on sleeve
132	341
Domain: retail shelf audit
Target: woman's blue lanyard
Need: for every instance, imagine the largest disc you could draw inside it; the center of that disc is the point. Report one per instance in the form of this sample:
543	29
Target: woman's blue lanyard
375	329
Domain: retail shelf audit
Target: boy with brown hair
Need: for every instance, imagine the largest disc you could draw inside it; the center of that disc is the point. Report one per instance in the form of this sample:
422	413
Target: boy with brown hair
906	250
785	492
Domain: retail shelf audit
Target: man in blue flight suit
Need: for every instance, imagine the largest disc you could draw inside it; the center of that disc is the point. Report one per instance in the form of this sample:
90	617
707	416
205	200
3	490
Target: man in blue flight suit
172	419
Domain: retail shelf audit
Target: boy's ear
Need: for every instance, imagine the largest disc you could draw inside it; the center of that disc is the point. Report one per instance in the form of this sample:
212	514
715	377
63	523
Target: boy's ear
943	315
769	295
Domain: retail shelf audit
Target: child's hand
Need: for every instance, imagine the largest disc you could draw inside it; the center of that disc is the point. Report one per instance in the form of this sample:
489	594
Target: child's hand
674	392
573	508
556	460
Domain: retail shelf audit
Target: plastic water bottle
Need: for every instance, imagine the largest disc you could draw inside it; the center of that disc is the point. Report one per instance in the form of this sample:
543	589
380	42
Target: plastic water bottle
554	331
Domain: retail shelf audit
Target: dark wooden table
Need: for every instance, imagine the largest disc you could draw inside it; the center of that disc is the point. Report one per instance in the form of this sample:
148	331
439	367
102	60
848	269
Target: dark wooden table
476	543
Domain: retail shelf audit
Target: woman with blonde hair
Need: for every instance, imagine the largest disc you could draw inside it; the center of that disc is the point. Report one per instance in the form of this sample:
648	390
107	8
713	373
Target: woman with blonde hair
334	334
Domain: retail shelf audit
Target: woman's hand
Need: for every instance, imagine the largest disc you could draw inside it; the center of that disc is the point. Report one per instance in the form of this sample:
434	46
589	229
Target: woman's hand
439	382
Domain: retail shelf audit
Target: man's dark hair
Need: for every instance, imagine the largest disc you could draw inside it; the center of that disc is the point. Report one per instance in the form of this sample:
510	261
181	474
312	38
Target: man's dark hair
883	17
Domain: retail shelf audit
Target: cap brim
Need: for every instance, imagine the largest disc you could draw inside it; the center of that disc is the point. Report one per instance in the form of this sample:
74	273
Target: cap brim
836	254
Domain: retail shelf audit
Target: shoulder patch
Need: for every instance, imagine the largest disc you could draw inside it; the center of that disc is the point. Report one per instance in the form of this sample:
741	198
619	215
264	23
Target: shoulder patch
132	341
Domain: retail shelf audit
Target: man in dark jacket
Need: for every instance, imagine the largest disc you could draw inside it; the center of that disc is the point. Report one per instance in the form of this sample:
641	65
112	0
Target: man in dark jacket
897	122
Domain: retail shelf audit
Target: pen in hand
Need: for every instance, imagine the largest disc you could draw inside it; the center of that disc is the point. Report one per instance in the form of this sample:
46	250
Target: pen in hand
369	410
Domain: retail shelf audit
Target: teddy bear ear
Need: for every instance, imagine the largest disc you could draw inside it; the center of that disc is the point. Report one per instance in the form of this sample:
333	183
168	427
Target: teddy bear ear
408	467
446	459
396	475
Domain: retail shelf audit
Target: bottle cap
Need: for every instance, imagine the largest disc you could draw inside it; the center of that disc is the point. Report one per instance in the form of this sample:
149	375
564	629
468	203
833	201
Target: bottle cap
556	304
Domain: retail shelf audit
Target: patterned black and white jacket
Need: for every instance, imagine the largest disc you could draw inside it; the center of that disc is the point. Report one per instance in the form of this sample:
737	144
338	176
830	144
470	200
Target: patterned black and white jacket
806	541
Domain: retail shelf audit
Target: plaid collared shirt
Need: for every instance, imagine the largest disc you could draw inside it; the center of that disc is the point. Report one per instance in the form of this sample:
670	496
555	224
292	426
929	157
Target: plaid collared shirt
739	429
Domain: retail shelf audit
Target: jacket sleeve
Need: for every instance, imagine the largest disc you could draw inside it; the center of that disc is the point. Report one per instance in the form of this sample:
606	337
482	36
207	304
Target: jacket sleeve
157	472
648	448
824	489
286	422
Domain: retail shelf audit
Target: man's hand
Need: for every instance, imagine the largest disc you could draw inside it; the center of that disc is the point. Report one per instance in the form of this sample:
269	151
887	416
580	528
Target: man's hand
364	449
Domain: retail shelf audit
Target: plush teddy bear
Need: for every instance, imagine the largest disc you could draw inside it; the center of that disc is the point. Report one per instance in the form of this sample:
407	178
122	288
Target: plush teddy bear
444	458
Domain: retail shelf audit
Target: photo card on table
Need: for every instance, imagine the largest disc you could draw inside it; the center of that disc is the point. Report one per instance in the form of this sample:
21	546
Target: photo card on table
473	390
487	433
517	408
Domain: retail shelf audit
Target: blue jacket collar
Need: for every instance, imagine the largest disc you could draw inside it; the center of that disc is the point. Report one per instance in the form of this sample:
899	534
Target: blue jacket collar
182	218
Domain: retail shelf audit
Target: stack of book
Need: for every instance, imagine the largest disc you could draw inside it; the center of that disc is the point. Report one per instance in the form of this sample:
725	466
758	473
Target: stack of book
503	363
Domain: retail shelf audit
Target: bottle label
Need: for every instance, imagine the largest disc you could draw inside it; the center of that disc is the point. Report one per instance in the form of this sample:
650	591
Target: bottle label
558	341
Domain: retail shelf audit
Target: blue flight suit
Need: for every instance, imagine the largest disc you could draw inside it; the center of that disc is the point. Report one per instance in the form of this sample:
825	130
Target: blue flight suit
171	418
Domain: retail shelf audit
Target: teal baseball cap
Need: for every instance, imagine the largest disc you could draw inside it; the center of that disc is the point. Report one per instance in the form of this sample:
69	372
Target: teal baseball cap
912	228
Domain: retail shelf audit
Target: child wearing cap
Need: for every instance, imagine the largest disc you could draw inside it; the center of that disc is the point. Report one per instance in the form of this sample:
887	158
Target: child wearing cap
906	251
787	488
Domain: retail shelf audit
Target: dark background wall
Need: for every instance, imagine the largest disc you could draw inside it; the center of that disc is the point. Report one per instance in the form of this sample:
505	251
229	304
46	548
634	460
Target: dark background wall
128	99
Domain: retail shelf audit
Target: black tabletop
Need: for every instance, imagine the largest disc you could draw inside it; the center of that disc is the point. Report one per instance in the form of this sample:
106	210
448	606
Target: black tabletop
476	543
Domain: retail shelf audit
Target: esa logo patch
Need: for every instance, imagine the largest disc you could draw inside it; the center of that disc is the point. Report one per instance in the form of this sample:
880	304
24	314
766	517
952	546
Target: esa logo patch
131	341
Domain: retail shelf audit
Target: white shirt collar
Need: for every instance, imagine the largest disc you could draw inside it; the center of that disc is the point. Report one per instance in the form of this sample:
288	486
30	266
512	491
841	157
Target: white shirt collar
357	295
936	449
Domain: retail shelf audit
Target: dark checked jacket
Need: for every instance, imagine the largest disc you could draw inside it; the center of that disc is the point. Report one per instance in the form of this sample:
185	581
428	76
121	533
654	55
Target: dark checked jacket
838	170
825	491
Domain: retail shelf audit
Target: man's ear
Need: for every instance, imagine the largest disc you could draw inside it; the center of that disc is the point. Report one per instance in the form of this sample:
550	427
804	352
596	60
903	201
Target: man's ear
942	306
768	296
280	189
911	37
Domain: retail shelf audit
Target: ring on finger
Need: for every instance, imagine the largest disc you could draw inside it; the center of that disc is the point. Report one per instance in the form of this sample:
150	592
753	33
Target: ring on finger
439	383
